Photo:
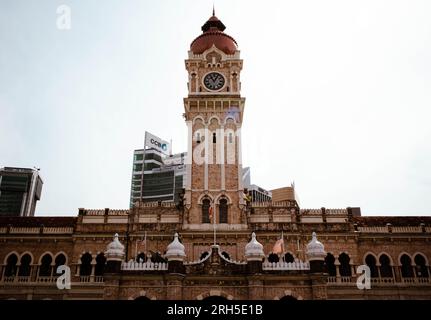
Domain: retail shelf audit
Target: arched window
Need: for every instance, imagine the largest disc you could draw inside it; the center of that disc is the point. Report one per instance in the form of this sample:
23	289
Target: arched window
141	257
214	137
288	257
25	268
60	260
222	207
226	255
345	269
230	137
406	266
421	268
100	264
205	211
85	268
330	265
204	255
198	137
273	257
385	266
45	266
11	268
371	262
157	257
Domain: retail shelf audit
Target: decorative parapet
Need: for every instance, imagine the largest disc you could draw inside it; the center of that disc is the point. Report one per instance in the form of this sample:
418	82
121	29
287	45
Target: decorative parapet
198	261
336	211
327	211
38	230
24	230
310	212
373	229
407	229
229	260
278	266
58	230
144	266
280	204
393	229
153	204
102	212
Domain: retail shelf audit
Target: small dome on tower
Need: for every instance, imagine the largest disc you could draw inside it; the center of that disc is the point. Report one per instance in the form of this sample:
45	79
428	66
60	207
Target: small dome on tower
254	250
115	250
315	249
176	250
213	35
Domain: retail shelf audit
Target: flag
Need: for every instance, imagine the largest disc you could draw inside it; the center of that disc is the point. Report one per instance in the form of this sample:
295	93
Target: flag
278	246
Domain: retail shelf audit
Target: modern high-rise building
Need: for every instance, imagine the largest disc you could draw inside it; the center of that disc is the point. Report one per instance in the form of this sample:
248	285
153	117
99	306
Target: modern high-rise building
256	193
157	177
20	189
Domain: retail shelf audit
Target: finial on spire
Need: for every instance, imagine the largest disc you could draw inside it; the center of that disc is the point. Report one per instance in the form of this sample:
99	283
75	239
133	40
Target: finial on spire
213	10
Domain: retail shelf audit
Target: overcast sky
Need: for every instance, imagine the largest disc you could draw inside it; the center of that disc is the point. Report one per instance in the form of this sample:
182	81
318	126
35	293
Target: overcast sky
338	96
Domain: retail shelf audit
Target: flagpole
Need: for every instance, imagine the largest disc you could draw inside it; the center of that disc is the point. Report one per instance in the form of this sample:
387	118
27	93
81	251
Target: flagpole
282	243
136	249
145	244
214	222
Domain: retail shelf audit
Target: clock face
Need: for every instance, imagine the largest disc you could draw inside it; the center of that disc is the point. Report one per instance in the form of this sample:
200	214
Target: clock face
214	81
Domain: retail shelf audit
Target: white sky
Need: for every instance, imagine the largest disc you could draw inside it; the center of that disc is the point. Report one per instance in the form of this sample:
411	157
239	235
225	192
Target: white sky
338	96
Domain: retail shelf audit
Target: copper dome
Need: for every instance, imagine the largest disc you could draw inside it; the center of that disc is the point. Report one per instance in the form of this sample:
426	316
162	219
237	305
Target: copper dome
213	35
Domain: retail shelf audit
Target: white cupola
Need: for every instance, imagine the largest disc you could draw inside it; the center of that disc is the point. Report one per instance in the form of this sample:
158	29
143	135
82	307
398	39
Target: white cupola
254	250
115	250
315	249
176	250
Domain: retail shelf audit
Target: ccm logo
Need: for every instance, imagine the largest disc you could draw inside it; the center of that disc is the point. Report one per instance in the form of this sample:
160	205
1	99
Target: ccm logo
163	146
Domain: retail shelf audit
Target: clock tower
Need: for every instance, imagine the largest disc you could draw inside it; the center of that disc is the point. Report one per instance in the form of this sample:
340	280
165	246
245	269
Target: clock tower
214	112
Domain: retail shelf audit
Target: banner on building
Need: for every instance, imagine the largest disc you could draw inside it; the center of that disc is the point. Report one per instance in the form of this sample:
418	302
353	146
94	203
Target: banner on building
152	141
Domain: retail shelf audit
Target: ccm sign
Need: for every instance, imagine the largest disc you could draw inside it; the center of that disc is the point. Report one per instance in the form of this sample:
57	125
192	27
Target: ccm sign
162	146
155	142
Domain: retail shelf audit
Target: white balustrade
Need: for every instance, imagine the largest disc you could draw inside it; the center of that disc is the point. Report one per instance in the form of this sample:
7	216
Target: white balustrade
297	265
144	266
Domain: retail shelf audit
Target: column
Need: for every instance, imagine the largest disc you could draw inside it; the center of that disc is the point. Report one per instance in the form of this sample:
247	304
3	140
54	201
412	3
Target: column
378	272
207	137
93	269
337	270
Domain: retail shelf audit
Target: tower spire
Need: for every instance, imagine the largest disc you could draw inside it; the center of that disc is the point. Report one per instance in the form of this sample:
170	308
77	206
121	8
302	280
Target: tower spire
213	10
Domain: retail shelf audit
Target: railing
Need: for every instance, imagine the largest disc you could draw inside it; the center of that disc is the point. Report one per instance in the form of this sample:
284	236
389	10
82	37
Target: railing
143	266
393	229
332	280
85	278
58	230
406	229
346	279
46	279
382	280
373	229
311	212
423	280
153	204
280	204
23	278
31	230
297	265
111	212
9	279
